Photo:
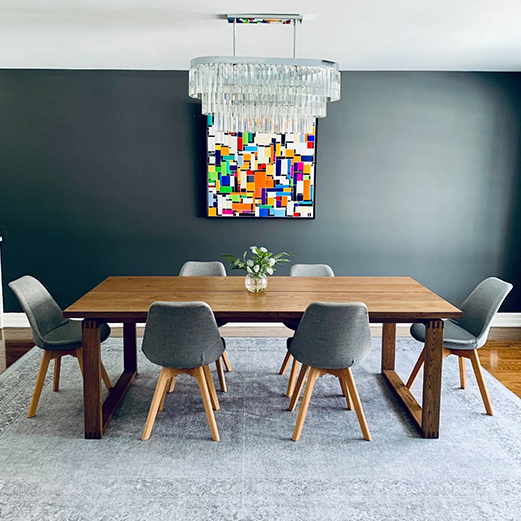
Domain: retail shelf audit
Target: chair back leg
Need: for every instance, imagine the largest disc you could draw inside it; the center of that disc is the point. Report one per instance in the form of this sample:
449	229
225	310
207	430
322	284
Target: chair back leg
285	363
314	374
56	378
105	377
220	374
156	402
226	361
78	353
416	369
346	393
462	372
292	378
298	387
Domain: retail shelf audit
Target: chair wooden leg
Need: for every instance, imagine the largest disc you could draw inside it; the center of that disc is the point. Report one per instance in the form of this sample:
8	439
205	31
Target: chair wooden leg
314	373
476	365
199	374
346	393
156	401
78	353
105	377
357	403
171	385
211	387
292	378
163	399
220	374
298	387
56	379
285	363
40	379
462	372
416	370
226	361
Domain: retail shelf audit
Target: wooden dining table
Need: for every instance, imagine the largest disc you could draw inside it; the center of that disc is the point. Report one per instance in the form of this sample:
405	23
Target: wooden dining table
390	300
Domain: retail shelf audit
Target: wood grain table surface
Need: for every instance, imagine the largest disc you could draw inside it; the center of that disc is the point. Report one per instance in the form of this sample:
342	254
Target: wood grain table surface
390	300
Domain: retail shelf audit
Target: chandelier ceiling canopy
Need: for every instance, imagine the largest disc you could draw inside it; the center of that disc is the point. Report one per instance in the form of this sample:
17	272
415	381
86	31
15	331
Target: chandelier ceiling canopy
265	95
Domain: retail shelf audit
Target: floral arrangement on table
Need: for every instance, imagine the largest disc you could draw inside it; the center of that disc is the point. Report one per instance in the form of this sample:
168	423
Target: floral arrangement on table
261	264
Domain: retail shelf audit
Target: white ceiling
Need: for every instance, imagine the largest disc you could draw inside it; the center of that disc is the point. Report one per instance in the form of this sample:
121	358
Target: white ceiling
167	34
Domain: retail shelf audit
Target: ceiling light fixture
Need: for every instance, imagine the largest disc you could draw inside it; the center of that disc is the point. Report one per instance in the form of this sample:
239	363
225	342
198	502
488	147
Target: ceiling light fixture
265	95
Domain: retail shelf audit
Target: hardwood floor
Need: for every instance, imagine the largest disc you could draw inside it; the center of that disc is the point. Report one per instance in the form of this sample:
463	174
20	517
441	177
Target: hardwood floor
501	355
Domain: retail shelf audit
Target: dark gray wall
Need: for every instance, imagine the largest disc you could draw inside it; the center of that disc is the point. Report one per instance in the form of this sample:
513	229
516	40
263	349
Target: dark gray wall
102	173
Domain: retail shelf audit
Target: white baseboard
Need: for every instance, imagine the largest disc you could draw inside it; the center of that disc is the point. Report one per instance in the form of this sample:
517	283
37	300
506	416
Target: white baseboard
501	320
507	320
15	320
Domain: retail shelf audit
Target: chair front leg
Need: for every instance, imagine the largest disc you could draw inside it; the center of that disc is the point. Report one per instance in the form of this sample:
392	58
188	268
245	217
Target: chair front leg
207	402
350	381
211	387
476	365
40	379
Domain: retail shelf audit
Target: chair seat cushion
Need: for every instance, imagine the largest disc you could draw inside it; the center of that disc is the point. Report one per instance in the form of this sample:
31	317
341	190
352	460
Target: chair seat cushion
454	336
68	336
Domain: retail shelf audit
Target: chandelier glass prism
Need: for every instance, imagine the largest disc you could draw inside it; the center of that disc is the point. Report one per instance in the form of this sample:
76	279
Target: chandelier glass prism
264	95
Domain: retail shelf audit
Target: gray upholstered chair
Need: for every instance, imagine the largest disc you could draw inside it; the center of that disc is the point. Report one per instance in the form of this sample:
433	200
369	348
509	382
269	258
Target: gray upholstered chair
463	337
210	269
202	269
331	338
301	270
311	270
182	337
57	336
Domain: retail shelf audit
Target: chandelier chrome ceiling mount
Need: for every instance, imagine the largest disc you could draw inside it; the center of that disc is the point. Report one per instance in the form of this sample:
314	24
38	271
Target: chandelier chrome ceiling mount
265	95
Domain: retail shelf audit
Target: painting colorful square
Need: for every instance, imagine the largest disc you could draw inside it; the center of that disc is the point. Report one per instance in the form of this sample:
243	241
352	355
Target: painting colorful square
260	175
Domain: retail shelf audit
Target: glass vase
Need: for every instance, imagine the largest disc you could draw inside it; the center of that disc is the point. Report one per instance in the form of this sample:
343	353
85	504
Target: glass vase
256	284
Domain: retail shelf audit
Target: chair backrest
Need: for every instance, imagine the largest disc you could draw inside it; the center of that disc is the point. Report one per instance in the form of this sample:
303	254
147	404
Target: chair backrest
181	335
202	269
481	306
41	309
311	270
332	335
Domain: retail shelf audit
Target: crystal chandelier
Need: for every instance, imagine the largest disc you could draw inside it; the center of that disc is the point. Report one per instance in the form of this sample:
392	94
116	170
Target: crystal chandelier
264	95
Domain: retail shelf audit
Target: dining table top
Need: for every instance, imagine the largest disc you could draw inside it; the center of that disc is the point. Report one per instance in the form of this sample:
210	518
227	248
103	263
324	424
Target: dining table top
391	299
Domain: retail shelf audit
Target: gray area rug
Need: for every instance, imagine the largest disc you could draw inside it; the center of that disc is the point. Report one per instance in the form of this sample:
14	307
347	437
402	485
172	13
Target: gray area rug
49	472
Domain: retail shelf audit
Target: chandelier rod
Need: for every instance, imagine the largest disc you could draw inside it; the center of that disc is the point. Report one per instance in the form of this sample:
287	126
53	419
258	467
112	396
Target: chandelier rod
295	18
294	38
234	34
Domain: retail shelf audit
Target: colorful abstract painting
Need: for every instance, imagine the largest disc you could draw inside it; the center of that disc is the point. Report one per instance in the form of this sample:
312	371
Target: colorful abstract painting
260	175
